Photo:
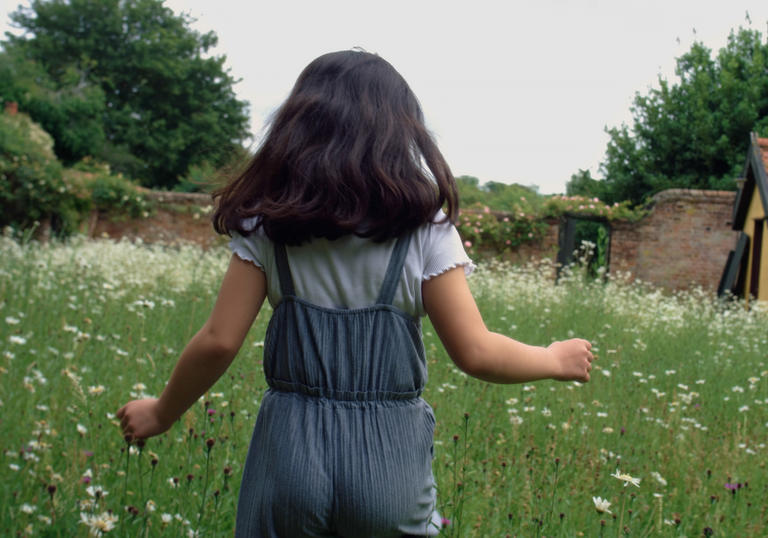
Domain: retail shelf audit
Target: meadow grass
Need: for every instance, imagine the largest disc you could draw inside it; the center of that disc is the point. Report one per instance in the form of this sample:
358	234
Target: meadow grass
678	400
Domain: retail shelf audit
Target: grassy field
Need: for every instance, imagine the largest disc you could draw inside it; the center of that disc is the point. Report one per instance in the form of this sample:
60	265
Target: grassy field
677	407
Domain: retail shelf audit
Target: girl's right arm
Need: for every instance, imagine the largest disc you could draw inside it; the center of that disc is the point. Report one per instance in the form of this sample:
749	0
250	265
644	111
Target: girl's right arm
491	356
207	355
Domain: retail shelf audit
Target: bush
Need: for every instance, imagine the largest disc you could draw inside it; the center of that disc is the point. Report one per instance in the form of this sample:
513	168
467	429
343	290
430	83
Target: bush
481	228
32	187
116	194
107	191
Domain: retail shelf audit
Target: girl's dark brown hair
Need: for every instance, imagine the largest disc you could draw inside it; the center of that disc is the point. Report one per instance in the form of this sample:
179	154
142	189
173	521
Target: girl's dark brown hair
348	152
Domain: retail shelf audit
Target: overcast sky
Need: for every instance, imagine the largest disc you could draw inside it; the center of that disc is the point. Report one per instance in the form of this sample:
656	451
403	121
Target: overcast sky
515	91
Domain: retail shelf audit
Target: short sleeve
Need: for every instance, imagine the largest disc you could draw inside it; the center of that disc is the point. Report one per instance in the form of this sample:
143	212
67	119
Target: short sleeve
251	247
443	250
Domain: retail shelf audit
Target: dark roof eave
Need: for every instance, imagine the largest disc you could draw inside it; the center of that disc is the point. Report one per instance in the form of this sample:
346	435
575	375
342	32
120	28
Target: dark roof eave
758	178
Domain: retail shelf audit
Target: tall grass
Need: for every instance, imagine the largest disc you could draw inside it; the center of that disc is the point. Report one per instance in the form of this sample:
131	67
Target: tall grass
678	399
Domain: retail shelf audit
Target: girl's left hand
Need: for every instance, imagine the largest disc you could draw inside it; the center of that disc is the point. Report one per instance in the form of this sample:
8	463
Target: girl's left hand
140	419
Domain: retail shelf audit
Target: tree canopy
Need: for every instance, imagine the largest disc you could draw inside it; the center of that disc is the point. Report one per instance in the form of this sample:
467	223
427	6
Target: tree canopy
126	81
692	132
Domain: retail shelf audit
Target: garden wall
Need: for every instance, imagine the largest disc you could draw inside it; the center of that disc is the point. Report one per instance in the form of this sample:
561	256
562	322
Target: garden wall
178	218
683	241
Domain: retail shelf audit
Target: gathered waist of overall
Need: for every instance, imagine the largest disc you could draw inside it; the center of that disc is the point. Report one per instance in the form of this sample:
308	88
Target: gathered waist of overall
327	393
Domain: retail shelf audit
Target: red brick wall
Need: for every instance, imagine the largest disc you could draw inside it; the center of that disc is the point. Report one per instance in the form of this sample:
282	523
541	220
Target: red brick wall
177	218
684	240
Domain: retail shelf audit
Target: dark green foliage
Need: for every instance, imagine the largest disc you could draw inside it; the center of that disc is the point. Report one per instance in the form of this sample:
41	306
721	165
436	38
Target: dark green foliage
692	132
498	196
592	240
71	111
116	194
583	184
32	190
165	106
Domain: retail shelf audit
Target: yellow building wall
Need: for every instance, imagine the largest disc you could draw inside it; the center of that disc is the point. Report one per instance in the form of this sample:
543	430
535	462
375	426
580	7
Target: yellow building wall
756	211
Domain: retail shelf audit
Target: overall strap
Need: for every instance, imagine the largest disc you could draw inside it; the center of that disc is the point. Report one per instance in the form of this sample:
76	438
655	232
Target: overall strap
394	270
283	270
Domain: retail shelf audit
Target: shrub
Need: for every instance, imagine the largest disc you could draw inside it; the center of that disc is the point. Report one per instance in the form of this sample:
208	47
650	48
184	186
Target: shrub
117	194
481	228
32	187
556	206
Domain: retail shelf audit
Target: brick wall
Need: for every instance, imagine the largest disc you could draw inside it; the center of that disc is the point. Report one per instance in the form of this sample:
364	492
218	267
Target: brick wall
544	249
177	218
684	240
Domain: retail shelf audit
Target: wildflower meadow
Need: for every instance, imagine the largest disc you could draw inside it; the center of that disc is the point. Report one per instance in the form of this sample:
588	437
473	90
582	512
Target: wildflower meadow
667	439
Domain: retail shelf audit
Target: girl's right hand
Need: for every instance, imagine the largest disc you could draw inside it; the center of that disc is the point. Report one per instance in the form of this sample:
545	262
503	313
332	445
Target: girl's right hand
140	419
574	359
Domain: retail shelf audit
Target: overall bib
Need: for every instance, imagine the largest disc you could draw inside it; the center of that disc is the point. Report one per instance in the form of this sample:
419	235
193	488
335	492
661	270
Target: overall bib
343	441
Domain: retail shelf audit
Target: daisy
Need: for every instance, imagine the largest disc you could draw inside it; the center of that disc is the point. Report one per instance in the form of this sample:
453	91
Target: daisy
626	478
602	505
98	523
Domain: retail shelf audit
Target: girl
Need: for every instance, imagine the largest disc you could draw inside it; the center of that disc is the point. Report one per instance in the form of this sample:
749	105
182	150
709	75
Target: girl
338	222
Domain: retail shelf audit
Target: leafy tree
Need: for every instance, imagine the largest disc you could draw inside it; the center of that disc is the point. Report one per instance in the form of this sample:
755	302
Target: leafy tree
583	184
72	112
498	196
693	132
167	105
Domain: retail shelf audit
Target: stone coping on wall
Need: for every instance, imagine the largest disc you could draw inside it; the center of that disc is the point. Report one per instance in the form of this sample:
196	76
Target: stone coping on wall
177	197
693	195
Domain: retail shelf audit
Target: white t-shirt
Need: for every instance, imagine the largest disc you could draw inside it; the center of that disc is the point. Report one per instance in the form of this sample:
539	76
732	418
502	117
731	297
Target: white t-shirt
348	272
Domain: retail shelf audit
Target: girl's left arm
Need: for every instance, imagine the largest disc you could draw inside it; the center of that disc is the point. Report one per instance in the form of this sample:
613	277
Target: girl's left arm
207	355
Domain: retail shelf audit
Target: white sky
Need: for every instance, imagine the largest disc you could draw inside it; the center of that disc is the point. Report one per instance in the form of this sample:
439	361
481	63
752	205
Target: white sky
514	91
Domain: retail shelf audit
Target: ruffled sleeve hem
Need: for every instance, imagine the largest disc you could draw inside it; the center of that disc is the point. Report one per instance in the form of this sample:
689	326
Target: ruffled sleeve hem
244	249
468	266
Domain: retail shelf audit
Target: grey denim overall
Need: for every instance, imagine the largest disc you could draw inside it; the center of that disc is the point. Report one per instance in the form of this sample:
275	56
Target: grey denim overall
343	441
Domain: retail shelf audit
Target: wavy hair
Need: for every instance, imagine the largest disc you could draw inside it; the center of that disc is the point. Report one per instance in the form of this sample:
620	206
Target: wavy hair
347	153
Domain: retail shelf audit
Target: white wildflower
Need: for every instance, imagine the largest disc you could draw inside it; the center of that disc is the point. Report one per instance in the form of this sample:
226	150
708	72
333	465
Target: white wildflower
660	479
28	508
602	505
96	491
626	478
98	523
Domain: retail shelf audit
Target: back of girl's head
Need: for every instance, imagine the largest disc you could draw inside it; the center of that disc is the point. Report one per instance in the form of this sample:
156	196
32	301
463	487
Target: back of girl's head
348	152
